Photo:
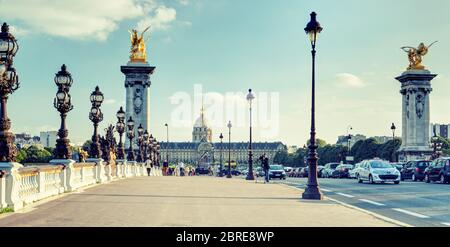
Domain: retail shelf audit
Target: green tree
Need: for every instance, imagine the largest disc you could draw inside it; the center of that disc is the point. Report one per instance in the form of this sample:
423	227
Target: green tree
87	146
21	156
36	154
281	157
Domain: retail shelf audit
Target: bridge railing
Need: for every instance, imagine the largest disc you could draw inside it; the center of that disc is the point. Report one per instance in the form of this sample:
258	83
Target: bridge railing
21	186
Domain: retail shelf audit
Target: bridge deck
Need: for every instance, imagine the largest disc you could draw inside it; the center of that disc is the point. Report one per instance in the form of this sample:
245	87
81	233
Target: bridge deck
188	201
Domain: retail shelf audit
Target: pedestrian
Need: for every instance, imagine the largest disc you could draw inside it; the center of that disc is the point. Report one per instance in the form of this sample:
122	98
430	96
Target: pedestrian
148	165
165	167
266	167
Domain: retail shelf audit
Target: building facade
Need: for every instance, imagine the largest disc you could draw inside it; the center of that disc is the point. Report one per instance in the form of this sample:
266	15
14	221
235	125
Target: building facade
25	140
440	130
48	138
202	152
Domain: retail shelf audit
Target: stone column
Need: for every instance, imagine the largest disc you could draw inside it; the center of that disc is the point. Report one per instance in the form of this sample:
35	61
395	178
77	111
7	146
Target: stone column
415	90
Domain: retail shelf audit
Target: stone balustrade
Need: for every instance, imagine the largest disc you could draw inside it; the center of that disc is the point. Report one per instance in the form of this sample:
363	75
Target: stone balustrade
21	186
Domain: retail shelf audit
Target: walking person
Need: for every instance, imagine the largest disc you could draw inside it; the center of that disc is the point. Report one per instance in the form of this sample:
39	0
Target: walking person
148	165
266	167
165	167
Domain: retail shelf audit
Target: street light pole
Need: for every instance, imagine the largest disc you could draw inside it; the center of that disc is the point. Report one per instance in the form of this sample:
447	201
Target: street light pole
96	116
221	161
9	82
167	146
393	128
229	149
250	98
130	125
120	126
312	191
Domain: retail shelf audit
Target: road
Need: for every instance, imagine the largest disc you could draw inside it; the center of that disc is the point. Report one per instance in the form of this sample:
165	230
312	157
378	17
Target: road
414	203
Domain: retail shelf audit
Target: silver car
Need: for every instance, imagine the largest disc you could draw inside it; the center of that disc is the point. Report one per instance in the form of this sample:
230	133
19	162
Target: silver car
378	171
354	172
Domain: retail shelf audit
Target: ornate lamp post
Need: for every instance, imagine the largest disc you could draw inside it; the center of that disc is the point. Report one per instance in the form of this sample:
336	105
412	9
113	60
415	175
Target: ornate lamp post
312	191
167	147
120	126
63	104
9	82
155	155
96	116
146	145
221	151
158	153
130	134
229	149
140	132
393	128
250	98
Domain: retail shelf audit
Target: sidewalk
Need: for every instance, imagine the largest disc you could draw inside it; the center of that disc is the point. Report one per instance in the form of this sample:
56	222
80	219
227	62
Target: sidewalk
190	201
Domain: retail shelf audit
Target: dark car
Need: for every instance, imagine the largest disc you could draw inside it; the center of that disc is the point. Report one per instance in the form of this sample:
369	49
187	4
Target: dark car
398	166
201	171
319	171
304	172
342	171
277	171
414	170
438	170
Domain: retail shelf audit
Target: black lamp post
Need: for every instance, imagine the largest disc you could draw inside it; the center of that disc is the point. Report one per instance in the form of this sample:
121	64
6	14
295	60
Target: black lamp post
393	128
63	104
155	155
146	145
221	157
167	147
96	116
130	134
312	191
120	126
140	132
229	149
250	98
9	82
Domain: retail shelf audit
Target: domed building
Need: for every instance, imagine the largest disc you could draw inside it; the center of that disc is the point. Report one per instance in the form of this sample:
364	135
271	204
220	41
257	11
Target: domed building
202	152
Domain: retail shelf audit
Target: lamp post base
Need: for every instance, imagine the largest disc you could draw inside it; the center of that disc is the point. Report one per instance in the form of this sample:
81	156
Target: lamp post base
312	193
250	177
229	176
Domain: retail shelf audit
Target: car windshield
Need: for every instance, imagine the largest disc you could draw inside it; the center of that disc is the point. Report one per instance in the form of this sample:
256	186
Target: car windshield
276	167
423	164
333	166
347	166
380	165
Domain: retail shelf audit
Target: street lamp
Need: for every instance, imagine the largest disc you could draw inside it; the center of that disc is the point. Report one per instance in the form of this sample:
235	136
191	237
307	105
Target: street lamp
120	126
140	132
250	98
96	116
146	145
167	147
130	134
312	191
393	128
229	149
9	82
63	104
221	157
436	144
154	145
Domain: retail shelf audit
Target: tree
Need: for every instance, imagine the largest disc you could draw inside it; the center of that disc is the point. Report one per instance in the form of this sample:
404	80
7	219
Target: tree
87	146
281	157
35	154
21	156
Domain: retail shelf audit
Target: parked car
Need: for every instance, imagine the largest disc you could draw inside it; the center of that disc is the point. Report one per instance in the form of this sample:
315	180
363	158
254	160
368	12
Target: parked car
277	171
354	172
304	172
288	170
398	166
342	171
438	170
378	171
294	172
328	169
415	170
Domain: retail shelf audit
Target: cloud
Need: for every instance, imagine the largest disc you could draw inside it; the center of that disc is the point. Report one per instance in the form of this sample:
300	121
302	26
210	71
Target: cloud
346	80
82	19
161	18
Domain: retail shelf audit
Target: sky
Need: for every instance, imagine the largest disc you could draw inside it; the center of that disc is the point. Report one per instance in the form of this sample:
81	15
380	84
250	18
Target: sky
229	46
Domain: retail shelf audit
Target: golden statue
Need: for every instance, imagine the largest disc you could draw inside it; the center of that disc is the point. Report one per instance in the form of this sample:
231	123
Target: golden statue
138	53
415	55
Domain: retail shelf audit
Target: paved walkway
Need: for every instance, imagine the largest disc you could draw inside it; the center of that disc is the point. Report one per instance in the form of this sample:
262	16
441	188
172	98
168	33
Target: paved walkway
189	201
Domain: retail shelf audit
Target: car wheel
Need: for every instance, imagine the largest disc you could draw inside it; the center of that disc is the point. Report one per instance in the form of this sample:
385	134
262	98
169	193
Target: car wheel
371	179
414	179
427	179
359	179
397	182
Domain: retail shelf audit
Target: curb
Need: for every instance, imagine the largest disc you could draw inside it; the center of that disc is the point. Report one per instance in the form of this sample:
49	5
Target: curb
378	216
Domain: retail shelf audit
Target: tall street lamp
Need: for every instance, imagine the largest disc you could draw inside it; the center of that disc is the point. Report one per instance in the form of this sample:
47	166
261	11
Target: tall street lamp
167	147
146	145
9	82
250	98
312	191
120	126
63	104
151	147
221	157
393	128
229	149
130	134
140	132
96	116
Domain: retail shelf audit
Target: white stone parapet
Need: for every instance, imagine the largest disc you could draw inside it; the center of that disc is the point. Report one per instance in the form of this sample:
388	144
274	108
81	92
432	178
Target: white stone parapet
21	186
